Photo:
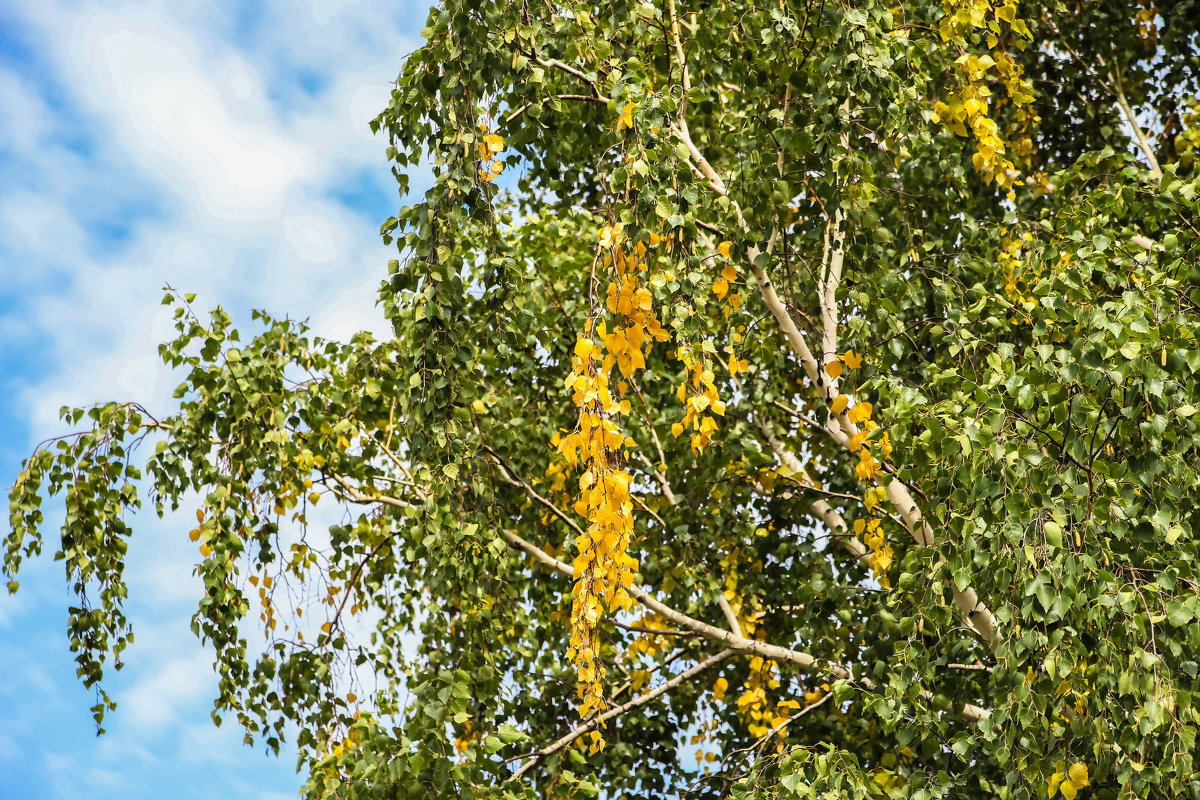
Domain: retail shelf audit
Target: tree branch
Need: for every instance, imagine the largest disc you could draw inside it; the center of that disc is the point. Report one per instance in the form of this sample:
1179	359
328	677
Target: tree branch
730	617
798	658
625	708
1131	118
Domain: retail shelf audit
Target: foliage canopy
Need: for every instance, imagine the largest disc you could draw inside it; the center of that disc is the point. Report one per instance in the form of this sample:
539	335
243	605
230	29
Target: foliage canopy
785	399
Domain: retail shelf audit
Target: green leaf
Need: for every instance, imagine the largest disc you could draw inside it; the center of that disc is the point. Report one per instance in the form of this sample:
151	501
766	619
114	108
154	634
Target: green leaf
1178	614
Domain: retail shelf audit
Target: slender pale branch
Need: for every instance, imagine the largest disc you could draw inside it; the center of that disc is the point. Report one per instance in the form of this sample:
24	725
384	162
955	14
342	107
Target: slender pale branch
827	513
625	708
685	77
513	480
1113	84
730	617
797	658
1131	118
660	477
349	492
978	615
701	163
554	63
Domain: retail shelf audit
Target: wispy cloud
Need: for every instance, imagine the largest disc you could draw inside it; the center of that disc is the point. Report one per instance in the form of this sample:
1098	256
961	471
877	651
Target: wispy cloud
222	148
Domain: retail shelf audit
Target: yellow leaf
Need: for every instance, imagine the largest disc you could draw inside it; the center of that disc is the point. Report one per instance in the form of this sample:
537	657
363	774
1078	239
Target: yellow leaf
834	369
328	626
676	429
478	407
205	550
839	403
719	688
1053	784
1068	789
852	359
1078	773
860	413
729	272
723	248
626	118
194	535
720	289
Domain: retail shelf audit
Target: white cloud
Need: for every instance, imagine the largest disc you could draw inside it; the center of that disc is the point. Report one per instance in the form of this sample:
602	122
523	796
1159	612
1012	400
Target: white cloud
252	227
221	172
63	772
179	121
157	699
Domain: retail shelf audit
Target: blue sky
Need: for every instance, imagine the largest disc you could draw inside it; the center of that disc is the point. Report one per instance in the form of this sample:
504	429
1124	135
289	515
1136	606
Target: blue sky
222	148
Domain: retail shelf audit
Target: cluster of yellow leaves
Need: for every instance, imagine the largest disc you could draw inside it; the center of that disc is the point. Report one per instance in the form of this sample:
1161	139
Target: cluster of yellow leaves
265	584
729	274
968	108
758	712
1068	782
963	15
871	450
351	741
196	533
628	298
644	648
698	402
603	567
490	145
557	470
1015	270
469	736
646	644
1147	23
871	532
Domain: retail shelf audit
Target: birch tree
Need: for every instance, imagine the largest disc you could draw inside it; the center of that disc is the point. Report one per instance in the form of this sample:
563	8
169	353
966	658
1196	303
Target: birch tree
784	399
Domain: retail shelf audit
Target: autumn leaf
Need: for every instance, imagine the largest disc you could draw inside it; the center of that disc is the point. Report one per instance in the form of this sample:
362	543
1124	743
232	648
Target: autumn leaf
625	120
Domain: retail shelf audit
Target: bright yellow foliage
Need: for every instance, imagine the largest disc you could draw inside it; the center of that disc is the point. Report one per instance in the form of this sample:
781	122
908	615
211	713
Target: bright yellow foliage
625	120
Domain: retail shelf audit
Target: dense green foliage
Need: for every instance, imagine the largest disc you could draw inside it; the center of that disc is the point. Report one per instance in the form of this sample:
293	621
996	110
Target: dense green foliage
908	471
